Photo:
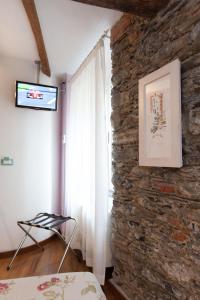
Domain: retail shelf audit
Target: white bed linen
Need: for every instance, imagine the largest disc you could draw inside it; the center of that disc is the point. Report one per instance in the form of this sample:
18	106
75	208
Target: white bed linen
66	286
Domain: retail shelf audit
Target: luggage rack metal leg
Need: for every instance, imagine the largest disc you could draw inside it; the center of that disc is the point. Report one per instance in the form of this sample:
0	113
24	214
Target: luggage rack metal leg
31	237
68	244
16	252
27	233
48	222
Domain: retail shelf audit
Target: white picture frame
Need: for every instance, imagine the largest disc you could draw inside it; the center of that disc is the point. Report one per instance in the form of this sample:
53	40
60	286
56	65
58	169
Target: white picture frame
160	131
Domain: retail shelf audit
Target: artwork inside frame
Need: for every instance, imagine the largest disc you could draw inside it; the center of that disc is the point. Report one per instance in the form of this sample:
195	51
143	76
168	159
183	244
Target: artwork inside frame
160	133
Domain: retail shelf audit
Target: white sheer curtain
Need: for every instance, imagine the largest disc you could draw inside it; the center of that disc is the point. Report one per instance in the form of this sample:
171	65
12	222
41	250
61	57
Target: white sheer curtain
87	167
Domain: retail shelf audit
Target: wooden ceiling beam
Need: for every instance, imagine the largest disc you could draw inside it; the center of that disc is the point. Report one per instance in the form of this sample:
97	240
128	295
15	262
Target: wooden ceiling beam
145	8
32	15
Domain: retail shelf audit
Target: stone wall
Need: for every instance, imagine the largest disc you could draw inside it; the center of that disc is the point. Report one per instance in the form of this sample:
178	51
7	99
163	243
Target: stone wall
156	212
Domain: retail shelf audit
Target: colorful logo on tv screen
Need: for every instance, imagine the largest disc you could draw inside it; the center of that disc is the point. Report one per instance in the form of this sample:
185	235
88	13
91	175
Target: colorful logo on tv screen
34	95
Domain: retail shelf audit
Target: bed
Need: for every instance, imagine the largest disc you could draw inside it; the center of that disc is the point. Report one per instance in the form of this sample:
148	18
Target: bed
66	286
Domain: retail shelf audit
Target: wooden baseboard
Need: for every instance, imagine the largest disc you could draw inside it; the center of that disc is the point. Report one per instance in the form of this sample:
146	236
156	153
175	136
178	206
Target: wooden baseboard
118	288
28	248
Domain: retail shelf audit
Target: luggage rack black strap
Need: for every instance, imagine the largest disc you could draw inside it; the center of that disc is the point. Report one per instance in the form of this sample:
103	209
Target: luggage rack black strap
44	219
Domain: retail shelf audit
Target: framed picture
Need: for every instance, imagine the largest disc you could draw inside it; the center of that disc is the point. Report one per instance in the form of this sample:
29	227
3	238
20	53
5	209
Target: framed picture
160	133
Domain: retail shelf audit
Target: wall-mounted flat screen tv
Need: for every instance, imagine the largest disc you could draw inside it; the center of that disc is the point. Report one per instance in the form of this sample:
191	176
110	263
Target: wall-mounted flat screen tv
36	96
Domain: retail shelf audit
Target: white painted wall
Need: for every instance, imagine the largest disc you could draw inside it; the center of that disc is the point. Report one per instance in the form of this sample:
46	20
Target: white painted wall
31	138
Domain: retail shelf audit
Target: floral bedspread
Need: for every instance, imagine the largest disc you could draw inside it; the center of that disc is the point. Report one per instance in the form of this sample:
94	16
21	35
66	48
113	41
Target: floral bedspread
66	286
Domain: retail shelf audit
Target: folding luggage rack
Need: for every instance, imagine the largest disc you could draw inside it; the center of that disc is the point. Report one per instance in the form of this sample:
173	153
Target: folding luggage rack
49	222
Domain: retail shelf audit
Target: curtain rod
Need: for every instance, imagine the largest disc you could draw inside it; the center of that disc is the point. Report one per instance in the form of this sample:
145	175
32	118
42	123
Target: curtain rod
104	35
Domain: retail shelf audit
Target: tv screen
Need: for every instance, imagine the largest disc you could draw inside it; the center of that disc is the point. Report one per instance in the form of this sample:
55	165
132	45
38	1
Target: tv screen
37	96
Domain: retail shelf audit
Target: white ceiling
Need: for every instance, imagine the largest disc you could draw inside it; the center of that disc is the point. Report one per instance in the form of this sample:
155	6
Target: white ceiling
70	31
16	38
